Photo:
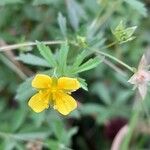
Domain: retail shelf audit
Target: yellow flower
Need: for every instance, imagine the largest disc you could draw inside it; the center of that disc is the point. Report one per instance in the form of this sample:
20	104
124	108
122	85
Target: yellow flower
54	92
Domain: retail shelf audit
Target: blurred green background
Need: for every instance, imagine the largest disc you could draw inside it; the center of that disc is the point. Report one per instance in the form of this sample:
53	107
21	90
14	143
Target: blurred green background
108	103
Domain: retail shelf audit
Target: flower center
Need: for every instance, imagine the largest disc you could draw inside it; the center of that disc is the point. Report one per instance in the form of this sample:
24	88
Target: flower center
141	77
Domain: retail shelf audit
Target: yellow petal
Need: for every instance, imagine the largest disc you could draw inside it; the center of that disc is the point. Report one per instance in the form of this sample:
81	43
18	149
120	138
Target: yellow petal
39	101
64	103
41	81
66	83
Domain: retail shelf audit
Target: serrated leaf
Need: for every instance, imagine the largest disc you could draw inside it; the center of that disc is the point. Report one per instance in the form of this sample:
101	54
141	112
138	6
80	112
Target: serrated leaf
90	64
47	54
32	60
138	5
83	84
80	58
62	24
63	53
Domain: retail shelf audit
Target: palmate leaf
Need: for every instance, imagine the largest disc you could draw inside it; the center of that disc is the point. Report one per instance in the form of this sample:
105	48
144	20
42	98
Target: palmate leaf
47	54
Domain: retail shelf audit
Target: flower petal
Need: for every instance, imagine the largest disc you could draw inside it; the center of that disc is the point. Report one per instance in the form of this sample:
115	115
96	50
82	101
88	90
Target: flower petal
143	63
41	81
132	80
64	103
142	90
39	101
66	83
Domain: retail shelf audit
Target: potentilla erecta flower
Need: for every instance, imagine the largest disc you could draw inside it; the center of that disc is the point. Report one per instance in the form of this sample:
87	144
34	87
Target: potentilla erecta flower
54	92
141	77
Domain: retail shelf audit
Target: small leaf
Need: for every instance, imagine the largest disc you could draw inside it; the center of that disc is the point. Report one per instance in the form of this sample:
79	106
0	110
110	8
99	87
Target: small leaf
83	84
80	58
90	64
63	53
123	34
62	24
32	60
47	54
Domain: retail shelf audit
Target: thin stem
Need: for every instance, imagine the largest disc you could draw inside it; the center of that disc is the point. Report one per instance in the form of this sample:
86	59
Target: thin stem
16	46
115	59
109	45
146	112
132	124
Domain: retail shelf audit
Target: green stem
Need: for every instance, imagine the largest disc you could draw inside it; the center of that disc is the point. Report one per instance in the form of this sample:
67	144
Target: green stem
115	59
132	125
16	46
146	112
109	45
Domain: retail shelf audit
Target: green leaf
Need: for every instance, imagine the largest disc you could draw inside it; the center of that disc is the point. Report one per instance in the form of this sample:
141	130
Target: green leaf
9	144
6	2
138	5
32	60
47	54
63	53
58	129
102	91
83	84
18	120
53	144
90	64
123	34
80	58
91	108
31	136
62	24
25	91
75	13
45	2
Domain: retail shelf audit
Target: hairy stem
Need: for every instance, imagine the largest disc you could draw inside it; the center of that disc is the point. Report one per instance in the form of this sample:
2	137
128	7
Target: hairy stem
115	59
